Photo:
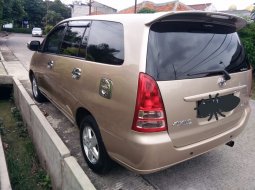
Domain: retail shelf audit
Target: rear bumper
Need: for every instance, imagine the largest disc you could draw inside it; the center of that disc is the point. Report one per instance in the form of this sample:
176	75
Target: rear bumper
37	35
148	153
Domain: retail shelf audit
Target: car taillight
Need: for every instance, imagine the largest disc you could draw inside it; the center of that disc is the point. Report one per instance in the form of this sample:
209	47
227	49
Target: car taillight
149	111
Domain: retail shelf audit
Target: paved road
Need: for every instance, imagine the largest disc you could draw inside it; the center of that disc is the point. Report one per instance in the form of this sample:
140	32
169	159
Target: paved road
223	168
17	43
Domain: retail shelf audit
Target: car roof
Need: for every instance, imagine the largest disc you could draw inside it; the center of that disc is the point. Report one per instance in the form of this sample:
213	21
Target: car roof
149	18
118	17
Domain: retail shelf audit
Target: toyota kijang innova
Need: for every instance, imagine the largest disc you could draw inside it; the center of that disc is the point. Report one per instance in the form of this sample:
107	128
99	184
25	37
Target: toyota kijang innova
146	90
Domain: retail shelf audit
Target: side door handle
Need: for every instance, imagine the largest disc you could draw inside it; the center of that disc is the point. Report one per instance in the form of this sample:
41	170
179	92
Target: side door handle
50	64
76	73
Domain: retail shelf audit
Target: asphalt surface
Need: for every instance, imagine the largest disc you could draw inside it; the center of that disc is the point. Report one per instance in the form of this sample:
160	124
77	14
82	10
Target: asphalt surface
222	168
17	43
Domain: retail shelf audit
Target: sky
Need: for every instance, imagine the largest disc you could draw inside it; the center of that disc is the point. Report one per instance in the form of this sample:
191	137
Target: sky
219	4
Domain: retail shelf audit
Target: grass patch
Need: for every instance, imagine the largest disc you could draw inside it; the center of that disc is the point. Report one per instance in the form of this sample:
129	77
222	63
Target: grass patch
253	89
23	164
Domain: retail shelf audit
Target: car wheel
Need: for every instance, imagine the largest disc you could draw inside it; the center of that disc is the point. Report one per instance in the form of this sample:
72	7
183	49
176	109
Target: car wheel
38	96
93	148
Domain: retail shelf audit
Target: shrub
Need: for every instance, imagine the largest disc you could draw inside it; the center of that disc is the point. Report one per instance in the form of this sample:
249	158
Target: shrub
48	29
247	36
146	10
18	30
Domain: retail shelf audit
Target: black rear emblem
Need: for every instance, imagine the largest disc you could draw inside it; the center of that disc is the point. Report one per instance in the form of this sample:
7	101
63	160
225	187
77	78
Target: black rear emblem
215	106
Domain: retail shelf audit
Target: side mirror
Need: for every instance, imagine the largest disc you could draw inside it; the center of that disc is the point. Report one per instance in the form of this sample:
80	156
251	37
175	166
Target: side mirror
33	45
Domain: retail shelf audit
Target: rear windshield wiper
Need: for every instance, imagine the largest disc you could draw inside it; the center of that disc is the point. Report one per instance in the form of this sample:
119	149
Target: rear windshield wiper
222	71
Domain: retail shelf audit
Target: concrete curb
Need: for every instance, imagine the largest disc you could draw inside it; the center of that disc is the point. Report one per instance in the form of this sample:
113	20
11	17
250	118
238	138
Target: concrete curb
6	79
63	169
253	101
4	176
72	175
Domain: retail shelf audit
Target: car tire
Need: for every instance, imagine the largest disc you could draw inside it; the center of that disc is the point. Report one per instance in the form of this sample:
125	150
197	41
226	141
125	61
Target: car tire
38	96
93	148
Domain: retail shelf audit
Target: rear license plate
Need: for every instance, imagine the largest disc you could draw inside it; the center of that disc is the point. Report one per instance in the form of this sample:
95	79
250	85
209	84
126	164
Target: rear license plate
216	105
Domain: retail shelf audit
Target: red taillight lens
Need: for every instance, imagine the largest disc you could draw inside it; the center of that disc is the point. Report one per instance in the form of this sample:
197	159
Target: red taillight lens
149	111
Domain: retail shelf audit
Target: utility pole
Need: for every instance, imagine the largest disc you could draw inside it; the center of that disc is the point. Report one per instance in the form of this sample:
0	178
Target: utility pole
90	5
135	6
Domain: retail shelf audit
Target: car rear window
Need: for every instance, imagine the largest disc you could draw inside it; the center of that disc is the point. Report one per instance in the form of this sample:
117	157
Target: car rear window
176	50
37	29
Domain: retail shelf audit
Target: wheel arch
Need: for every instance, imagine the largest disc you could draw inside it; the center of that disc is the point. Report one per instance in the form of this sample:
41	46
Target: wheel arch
31	73
81	113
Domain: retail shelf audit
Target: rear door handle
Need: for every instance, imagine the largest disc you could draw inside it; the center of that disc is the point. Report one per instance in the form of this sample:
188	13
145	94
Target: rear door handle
50	64
76	73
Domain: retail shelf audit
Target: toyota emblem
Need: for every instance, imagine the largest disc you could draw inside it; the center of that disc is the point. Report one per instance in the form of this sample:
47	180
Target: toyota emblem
221	82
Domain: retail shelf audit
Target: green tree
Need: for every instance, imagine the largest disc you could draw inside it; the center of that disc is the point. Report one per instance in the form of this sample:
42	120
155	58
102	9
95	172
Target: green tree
13	11
52	18
1	13
58	7
36	10
55	12
146	10
17	12
7	11
247	36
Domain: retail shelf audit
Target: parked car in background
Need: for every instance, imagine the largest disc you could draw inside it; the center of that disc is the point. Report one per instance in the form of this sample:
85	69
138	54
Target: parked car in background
37	32
146	90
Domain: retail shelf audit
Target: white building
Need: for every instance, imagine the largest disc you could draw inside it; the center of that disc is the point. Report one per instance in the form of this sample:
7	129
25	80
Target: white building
81	8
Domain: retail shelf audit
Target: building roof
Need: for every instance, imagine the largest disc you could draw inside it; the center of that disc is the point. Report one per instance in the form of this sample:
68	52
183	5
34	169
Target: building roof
201	7
161	7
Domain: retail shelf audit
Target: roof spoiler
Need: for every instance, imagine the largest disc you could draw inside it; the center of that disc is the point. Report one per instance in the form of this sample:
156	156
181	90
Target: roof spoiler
198	16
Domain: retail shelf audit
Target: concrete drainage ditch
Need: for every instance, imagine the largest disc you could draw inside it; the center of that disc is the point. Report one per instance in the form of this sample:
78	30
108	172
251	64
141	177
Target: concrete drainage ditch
54	156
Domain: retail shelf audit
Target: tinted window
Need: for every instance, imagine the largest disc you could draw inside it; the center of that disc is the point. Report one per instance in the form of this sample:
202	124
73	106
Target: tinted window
54	39
106	43
177	50
84	43
72	40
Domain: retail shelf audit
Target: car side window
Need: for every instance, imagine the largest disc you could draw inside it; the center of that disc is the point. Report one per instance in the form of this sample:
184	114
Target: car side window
54	40
84	43
106	43
72	41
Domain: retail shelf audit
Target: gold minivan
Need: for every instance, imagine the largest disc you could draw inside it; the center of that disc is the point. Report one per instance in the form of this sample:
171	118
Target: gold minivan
146	90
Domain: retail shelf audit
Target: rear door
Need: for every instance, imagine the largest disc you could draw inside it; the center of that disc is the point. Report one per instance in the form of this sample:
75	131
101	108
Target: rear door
203	75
